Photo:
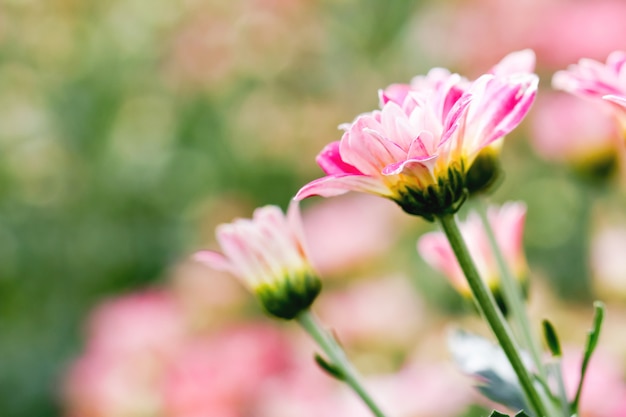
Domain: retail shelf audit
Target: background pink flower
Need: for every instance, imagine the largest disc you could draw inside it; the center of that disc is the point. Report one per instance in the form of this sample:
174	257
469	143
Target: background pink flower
507	223
567	129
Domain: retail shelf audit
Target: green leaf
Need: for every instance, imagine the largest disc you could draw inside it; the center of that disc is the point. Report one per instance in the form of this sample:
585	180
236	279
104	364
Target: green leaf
522	414
552	340
329	368
592	341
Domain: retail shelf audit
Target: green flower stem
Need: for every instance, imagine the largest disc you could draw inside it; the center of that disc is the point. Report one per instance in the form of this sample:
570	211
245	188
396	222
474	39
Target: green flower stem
491	313
513	296
558	370
337	358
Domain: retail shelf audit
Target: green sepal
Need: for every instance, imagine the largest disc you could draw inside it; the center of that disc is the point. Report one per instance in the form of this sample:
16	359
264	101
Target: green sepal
593	335
287	298
445	197
551	338
485	173
329	368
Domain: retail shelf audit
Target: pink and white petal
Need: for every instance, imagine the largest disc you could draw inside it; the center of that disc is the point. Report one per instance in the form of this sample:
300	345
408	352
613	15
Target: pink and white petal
366	147
516	62
423	146
436	251
619	100
508	225
340	184
565	81
456	117
215	260
616	61
500	105
329	159
395	92
419	168
396	125
294	218
238	240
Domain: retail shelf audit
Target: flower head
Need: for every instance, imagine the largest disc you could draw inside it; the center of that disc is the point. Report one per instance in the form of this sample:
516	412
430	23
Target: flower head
267	254
576	132
506	221
419	146
597	81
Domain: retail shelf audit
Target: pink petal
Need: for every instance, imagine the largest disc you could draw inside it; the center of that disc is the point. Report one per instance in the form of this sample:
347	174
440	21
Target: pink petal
619	100
214	260
516	62
436	251
500	105
395	92
340	184
412	166
329	159
366	147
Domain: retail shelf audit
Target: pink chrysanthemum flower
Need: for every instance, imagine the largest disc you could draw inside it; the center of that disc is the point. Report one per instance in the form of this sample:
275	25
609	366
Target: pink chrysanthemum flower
267	253
419	146
597	81
507	223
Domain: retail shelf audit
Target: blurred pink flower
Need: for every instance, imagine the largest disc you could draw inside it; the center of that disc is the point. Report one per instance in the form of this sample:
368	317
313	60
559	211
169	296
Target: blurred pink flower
604	390
556	35
221	375
603	82
607	263
433	389
567	129
267	254
130	340
417	149
473	33
147	321
208	299
336	238
507	223
390	324
141	361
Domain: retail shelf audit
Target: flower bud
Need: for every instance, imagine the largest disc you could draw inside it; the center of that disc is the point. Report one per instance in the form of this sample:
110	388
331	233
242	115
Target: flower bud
267	254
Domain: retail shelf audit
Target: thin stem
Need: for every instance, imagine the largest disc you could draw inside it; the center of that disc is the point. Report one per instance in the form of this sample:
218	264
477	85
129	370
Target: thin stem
491	313
513	296
337	358
558	370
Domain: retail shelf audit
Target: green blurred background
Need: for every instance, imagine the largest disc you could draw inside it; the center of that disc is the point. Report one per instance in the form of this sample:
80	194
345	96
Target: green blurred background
123	123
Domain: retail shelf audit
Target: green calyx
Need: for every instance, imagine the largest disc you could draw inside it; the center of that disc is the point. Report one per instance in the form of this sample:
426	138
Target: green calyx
484	173
445	197
290	296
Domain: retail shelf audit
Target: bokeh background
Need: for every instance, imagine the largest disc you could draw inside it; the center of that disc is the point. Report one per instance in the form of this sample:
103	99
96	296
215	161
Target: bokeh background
129	129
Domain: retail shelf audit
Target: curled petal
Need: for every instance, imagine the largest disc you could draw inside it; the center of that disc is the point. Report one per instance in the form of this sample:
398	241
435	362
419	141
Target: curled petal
335	185
414	165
